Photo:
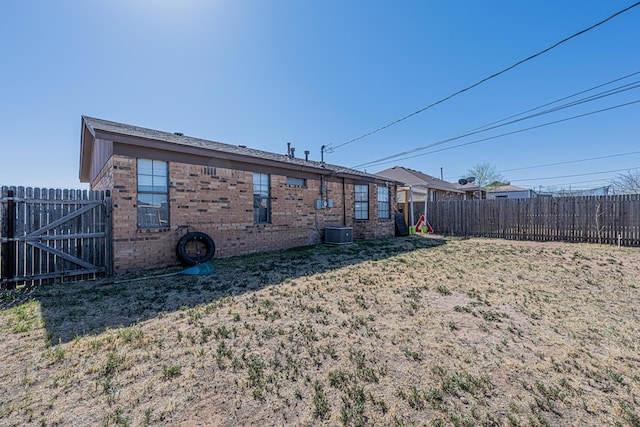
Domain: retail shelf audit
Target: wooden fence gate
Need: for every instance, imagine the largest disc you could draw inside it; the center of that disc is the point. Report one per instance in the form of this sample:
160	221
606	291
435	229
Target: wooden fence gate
51	235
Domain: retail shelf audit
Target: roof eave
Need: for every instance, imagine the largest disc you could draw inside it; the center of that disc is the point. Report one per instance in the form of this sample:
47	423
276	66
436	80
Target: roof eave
237	157
87	138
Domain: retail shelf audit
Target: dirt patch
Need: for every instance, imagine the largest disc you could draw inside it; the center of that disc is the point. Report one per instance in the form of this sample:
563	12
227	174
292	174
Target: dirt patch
407	331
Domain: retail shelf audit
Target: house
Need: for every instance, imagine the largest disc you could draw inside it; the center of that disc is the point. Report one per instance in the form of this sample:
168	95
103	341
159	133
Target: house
164	185
472	191
418	187
511	192
599	191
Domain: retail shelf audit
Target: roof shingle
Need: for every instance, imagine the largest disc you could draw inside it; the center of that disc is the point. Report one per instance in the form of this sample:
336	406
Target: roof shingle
181	139
410	177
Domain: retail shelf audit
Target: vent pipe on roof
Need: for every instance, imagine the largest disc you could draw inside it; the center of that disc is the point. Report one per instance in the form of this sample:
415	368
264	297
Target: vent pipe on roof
290	151
306	155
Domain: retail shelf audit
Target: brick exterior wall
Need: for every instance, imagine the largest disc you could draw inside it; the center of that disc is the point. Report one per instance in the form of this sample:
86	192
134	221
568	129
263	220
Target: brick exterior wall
219	202
104	179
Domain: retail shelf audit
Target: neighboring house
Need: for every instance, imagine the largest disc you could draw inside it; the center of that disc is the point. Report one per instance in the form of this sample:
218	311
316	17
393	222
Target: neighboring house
510	192
419	187
600	191
166	184
472	191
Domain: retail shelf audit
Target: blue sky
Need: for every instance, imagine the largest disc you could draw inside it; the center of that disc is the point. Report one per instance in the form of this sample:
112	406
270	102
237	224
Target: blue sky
264	73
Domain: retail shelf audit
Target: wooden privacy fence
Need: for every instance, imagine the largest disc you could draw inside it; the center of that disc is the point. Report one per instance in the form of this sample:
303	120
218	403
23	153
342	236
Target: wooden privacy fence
593	219
48	235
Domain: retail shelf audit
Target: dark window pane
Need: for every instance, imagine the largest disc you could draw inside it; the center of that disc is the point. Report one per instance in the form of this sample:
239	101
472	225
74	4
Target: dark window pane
153	198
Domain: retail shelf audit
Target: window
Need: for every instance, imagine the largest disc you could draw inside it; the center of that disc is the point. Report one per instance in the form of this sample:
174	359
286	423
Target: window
361	202
153	194
384	208
296	182
261	199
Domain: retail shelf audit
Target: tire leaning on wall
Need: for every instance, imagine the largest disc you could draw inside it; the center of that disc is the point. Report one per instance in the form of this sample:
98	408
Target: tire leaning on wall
199	258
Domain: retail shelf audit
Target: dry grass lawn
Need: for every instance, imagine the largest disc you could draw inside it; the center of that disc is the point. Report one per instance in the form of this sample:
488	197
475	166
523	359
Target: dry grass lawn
398	332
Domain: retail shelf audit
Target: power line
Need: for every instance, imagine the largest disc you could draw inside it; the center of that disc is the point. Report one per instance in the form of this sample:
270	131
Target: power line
564	163
601	183
572	176
558	100
509	133
610	92
571	161
331	148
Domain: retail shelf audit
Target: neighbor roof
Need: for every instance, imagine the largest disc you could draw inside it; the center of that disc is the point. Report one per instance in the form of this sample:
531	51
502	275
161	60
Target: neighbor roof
469	187
414	178
507	189
136	135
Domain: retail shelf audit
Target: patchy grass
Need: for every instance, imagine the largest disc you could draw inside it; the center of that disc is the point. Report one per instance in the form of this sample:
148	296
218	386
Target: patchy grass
406	331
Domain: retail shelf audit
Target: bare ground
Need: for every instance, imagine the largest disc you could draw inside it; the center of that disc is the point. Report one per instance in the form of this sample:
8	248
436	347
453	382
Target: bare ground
401	332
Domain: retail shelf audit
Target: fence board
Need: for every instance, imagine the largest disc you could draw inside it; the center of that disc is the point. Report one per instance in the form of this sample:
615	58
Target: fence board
591	219
56	234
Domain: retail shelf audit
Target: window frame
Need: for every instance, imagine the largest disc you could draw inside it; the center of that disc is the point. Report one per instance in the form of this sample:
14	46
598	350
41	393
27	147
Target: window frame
360	203
293	181
152	184
261	198
385	204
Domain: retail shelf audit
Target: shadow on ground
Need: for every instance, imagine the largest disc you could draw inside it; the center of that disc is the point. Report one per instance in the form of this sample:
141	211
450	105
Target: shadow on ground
81	308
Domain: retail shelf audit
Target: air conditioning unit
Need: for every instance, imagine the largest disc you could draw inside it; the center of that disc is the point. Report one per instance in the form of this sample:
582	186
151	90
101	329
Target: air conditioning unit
338	235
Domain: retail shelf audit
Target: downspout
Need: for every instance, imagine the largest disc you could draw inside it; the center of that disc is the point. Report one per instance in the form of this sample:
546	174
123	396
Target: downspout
405	206
426	198
315	211
413	221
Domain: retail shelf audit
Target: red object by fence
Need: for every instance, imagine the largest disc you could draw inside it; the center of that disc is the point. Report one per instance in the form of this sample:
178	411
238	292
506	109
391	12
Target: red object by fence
423	222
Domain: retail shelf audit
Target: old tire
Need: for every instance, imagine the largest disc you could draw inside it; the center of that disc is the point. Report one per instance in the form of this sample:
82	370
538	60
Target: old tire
198	256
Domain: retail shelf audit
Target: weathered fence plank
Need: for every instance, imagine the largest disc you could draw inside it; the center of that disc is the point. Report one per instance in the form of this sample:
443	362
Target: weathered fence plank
52	234
592	219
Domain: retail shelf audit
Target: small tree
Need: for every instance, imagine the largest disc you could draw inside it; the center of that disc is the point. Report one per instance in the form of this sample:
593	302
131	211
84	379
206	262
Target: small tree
627	182
485	174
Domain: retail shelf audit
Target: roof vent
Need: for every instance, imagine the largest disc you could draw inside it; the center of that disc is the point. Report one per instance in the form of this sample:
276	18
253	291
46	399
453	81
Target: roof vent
178	133
242	146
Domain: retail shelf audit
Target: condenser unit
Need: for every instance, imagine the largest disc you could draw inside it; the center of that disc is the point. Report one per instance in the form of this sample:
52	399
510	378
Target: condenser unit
338	235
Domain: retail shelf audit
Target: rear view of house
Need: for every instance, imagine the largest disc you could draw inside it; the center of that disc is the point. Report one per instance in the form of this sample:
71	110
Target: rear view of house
164	185
417	188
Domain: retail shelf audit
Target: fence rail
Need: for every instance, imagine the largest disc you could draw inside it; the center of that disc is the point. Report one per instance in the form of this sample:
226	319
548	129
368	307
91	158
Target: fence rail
593	219
53	234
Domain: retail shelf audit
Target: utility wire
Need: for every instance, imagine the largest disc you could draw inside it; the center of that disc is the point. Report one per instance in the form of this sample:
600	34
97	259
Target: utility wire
557	100
511	133
570	161
610	92
601	95
601	183
331	148
563	163
571	176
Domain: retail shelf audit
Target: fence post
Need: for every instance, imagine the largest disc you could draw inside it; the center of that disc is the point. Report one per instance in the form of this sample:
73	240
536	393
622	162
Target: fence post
9	252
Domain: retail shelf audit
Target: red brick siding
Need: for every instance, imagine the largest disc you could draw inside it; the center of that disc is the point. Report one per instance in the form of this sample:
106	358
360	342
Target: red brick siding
219	202
373	228
104	179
